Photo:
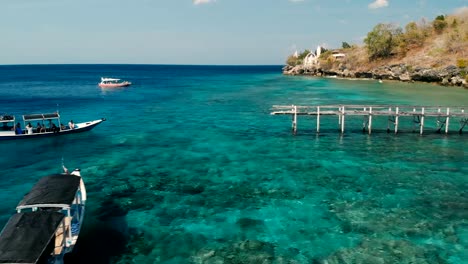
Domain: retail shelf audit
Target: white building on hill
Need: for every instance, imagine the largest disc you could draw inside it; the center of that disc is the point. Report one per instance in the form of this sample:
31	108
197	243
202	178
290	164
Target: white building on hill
338	55
312	58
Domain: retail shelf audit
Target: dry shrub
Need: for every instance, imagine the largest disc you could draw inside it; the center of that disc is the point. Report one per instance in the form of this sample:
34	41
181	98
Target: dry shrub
462	63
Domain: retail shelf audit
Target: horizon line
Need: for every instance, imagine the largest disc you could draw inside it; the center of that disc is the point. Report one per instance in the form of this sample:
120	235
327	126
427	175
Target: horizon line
143	64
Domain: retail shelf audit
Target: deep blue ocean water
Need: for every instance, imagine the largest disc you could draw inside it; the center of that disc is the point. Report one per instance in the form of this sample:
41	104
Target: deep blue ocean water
190	167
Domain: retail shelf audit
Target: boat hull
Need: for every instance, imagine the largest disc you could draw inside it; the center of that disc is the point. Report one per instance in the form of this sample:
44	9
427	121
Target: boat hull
81	127
113	85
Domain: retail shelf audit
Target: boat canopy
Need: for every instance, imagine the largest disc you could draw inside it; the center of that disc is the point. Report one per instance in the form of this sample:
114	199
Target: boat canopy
52	191
34	117
27	237
109	80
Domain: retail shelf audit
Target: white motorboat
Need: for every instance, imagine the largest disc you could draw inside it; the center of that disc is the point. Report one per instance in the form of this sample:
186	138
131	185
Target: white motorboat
113	83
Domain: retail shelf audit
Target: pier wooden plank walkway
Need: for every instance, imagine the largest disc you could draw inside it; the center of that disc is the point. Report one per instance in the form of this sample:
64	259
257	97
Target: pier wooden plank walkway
444	115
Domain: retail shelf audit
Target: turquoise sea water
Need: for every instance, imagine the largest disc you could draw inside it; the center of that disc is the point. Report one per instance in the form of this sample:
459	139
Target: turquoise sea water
190	167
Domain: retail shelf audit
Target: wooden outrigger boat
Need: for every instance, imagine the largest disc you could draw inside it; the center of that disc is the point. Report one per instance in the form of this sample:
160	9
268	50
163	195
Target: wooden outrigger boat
48	221
48	125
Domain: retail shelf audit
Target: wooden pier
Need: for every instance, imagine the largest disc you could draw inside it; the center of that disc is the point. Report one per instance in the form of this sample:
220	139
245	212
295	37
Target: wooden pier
444	115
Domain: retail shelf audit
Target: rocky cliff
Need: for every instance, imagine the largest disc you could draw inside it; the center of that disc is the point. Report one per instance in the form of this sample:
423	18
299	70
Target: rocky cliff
448	75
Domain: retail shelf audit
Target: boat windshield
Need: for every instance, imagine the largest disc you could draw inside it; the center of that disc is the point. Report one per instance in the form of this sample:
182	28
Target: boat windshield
7	123
109	80
7	118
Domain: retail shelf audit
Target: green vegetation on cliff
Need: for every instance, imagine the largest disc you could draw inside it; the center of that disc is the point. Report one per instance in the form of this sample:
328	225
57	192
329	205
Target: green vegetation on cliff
439	43
293	60
382	41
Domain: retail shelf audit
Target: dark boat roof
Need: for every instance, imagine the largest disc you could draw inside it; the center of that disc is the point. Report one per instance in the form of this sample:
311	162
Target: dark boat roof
40	116
26	236
54	189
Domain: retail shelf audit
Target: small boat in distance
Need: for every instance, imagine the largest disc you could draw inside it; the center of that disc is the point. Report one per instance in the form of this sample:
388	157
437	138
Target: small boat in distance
47	222
113	83
47	125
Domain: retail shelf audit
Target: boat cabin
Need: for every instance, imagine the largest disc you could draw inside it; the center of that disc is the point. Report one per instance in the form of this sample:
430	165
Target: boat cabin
110	81
32	124
41	123
47	223
338	55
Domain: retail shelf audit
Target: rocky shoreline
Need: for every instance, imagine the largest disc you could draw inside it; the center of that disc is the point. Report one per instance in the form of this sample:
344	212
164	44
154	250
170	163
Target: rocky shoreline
447	76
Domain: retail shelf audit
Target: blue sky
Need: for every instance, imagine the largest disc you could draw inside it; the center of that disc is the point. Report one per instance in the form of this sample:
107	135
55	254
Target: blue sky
193	31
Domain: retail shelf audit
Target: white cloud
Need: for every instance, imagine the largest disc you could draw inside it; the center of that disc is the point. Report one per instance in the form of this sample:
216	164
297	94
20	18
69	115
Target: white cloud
201	2
422	3
378	4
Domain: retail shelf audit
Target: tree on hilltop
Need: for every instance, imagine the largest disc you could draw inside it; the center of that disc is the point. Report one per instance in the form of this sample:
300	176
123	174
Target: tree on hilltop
381	41
439	24
413	36
454	23
304	54
345	45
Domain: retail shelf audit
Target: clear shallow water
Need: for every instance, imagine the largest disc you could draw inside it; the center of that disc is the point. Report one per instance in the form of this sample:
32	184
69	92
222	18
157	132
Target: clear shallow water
190	167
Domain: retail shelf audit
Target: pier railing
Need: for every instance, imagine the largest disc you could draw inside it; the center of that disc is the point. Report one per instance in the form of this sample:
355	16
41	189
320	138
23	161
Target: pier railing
444	115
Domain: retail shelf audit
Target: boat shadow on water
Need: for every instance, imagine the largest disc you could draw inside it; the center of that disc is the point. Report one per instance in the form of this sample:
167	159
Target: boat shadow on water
98	243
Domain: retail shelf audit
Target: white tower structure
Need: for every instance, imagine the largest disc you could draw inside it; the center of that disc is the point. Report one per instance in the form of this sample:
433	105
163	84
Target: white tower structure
319	51
296	54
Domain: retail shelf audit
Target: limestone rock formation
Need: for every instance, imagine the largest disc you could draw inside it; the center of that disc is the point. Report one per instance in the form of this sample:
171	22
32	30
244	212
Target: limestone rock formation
449	76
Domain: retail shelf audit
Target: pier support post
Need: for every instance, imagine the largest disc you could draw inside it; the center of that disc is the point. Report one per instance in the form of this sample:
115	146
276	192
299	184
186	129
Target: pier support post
463	122
439	123
370	120
343	118
447	119
388	121
421	125
318	119
294	122
396	119
364	121
339	115
414	119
